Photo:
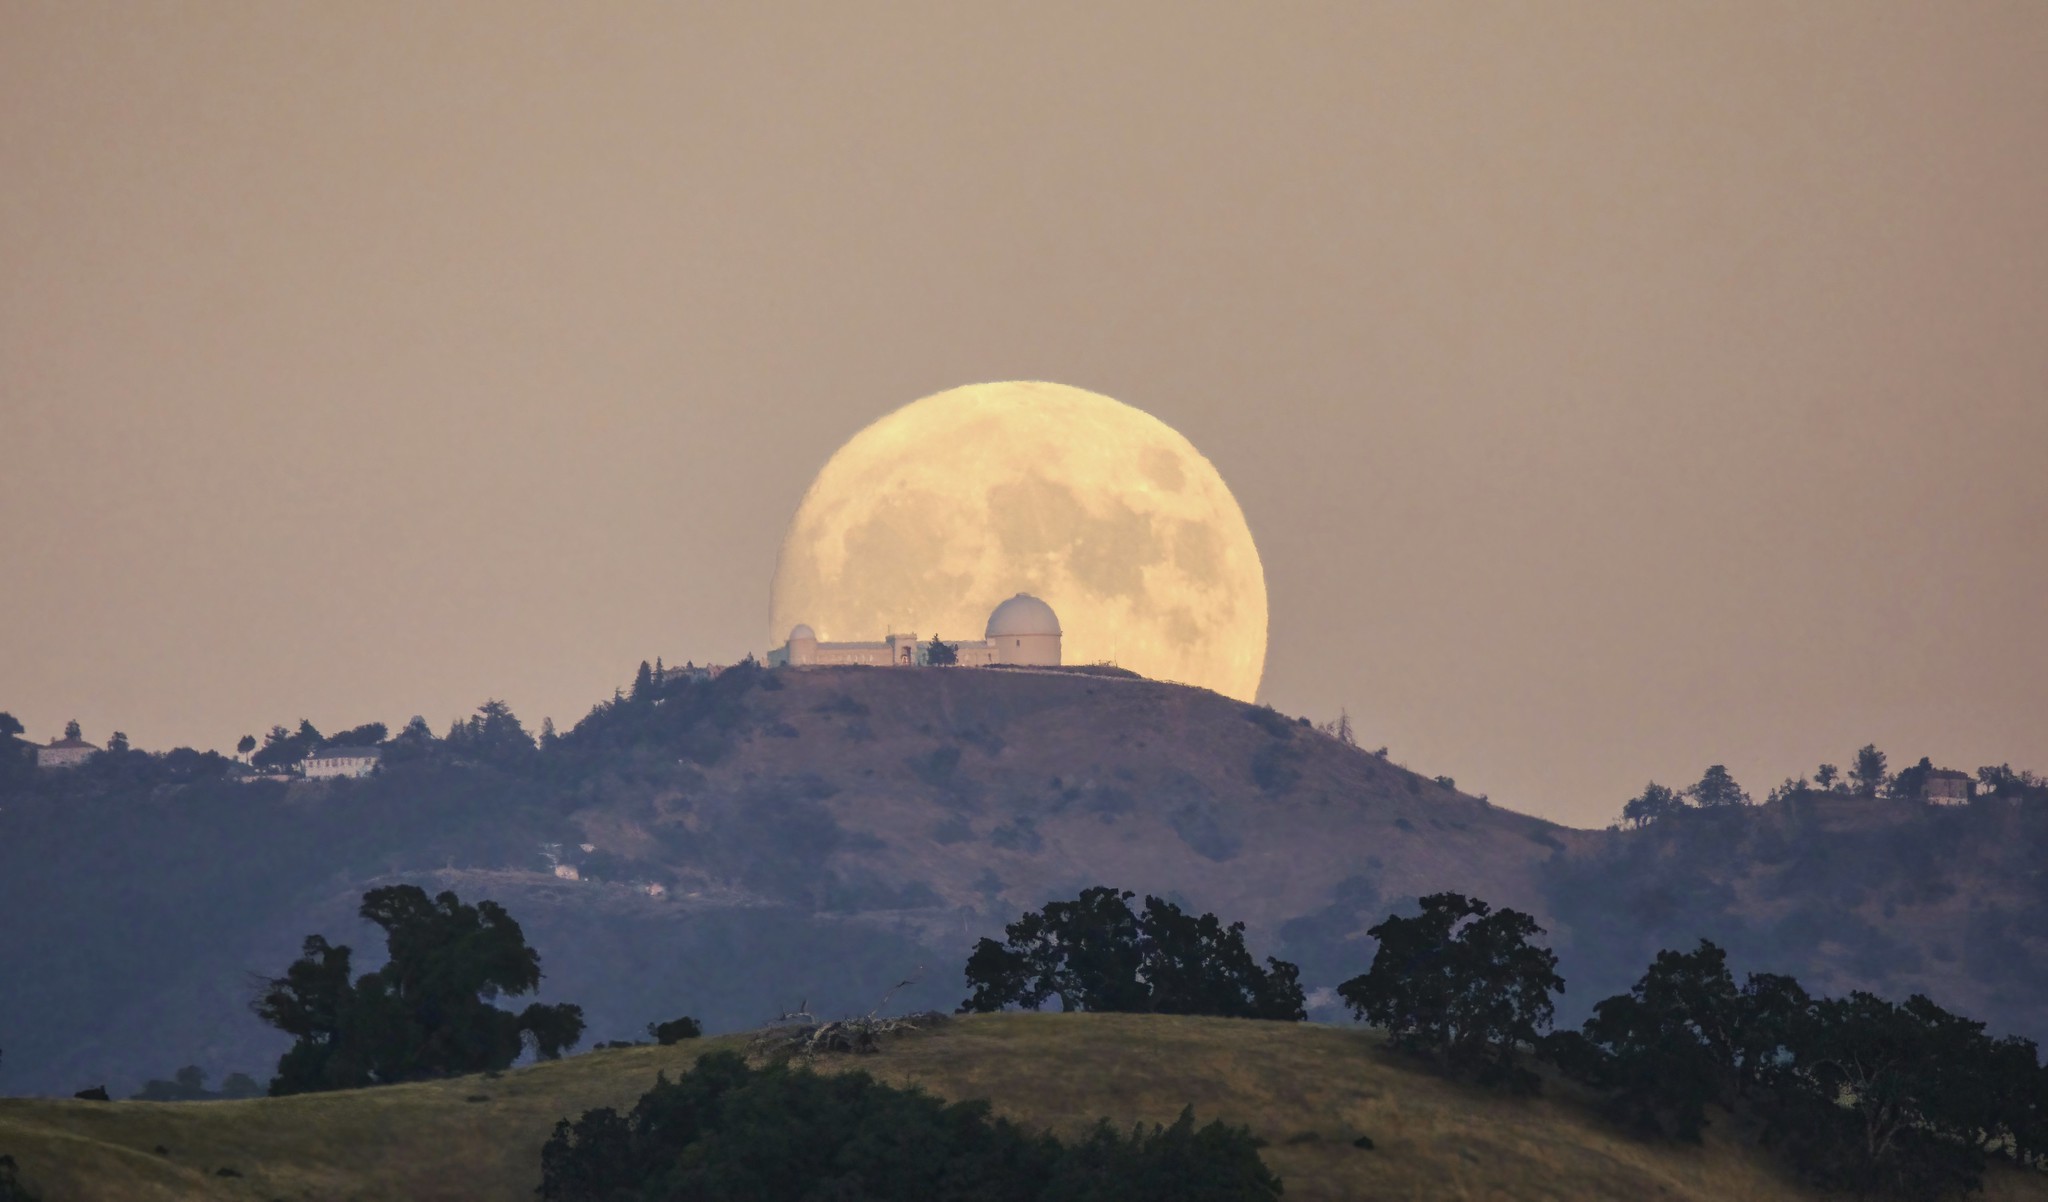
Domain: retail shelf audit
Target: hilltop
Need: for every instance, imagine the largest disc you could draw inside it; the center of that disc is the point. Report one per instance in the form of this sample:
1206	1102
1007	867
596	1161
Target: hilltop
744	843
1308	1090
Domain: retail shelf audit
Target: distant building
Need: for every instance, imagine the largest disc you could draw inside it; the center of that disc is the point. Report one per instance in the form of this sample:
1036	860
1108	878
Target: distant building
68	752
1022	630
331	762
1947	787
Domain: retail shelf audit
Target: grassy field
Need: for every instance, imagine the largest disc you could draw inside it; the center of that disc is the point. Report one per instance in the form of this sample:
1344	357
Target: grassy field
1308	1090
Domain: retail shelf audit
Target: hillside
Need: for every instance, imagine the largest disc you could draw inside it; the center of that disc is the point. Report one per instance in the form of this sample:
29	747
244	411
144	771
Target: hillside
1308	1090
822	834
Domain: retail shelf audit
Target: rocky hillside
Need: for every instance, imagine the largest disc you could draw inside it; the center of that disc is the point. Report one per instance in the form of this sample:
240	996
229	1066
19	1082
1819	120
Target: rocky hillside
747	843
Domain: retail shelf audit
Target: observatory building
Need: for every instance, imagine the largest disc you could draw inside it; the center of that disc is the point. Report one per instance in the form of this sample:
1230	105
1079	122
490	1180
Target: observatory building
1022	631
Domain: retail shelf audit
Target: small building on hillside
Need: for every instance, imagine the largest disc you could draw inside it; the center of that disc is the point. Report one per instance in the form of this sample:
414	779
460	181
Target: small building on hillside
330	762
67	752
1947	787
1022	631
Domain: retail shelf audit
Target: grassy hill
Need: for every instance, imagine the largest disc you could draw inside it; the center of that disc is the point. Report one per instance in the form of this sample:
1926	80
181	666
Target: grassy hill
1308	1090
820	834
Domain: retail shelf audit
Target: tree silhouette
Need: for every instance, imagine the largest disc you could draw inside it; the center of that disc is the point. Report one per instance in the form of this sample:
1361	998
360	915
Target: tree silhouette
494	735
1093	953
1717	788
1460	982
284	748
1867	775
427	1012
369	734
1656	801
1911	783
1670	1045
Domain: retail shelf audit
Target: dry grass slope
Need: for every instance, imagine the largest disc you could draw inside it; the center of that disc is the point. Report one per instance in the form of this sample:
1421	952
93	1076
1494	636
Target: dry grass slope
1308	1090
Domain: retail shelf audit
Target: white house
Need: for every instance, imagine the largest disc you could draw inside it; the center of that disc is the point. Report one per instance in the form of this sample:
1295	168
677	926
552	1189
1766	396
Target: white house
1022	630
67	752
342	761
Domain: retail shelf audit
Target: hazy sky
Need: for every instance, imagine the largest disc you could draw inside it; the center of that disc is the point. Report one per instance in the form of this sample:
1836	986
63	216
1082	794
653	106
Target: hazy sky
1612	389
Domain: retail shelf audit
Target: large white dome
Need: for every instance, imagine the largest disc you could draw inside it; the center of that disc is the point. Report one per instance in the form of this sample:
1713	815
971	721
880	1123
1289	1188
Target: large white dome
801	632
1020	615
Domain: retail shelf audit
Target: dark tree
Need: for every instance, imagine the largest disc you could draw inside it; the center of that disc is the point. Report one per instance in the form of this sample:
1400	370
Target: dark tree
427	1012
413	741
940	654
71	730
643	683
1717	788
1093	953
1911	783
117	743
284	748
1880	1098
1462	983
1867	775
1671	1045
1775	1011
1655	802
724	1132
246	745
1861	1094
369	734
494	735
675	1030
1826	775
17	755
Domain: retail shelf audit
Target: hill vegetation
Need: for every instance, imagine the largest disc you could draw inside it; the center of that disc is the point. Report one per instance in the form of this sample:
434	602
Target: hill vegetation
838	830
1307	1090
1310	1092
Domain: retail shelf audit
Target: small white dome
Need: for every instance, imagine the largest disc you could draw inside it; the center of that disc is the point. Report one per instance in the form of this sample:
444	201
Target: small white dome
802	632
1020	615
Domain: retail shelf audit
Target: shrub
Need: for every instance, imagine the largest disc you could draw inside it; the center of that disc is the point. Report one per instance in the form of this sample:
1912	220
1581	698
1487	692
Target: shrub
724	1131
1276	767
675	1030
1270	720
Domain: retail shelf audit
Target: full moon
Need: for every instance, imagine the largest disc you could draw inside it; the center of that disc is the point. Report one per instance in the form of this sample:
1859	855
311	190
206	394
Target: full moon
930	517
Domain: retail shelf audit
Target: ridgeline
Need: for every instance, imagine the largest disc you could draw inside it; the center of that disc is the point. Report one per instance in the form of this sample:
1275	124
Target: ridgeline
743	843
